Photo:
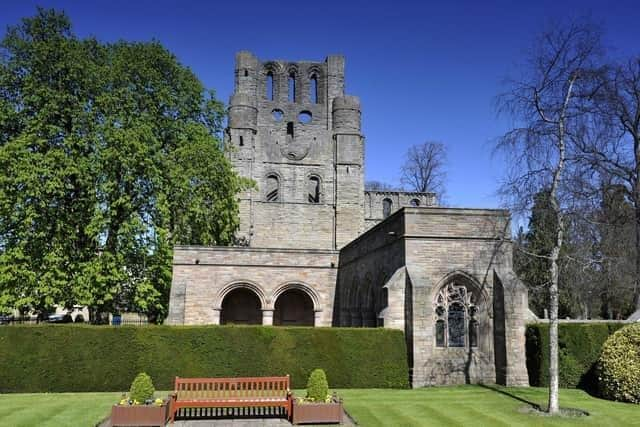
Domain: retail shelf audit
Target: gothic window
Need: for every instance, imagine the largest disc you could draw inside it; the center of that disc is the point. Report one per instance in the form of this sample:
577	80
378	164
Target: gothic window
270	86
456	324
272	193
292	87
313	89
387	204
415	203
314	189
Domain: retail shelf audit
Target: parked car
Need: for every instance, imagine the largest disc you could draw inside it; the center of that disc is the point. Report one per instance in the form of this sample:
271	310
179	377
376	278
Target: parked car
60	318
5	319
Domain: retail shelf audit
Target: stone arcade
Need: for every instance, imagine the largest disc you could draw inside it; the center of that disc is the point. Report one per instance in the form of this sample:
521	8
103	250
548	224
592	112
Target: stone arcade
319	250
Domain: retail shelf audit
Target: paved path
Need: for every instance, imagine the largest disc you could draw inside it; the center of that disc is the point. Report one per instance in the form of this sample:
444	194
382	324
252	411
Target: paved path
248	422
271	422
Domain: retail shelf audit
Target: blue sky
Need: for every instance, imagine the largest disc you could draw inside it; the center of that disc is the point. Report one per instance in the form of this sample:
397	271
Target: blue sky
423	70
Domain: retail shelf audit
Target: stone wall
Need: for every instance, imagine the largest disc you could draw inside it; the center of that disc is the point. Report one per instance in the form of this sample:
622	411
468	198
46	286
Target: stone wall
373	203
412	255
203	276
371	279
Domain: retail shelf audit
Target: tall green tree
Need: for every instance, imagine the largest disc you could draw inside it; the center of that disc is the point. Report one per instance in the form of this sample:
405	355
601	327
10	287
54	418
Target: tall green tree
109	156
531	262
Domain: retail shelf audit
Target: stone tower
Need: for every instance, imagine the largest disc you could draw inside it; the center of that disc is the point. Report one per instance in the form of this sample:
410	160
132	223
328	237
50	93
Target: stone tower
295	133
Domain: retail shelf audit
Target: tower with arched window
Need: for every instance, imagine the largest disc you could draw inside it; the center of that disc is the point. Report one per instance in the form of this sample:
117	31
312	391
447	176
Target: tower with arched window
295	133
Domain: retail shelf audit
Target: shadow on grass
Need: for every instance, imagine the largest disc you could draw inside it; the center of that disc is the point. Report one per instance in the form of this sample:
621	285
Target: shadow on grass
513	396
566	412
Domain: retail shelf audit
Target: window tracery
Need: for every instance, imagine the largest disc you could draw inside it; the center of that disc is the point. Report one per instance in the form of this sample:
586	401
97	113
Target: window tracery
456	324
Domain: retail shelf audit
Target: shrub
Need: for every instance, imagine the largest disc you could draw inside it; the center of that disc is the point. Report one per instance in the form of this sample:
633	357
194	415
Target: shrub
619	365
579	345
317	386
141	388
66	358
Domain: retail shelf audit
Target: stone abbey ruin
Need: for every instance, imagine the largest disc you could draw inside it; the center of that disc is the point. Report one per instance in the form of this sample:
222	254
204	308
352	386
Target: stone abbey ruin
318	250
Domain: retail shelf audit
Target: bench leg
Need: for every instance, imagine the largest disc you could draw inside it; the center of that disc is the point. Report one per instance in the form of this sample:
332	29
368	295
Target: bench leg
172	414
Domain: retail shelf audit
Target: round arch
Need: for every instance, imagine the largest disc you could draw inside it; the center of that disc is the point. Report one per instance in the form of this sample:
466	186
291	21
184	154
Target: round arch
295	304
301	287
246	284
241	306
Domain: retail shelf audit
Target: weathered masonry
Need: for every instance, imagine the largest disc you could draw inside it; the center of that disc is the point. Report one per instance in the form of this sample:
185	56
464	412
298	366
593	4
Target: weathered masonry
315	249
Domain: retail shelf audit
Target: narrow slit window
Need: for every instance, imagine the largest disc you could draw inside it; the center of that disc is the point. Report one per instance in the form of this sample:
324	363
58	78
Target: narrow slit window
290	130
314	189
241	141
292	87
387	204
313	89
270	86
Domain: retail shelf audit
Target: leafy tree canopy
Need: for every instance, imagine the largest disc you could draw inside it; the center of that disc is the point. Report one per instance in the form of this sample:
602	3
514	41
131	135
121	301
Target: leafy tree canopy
109	155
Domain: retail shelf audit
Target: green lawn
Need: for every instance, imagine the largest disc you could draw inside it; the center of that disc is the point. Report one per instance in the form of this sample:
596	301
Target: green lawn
55	409
438	406
479	406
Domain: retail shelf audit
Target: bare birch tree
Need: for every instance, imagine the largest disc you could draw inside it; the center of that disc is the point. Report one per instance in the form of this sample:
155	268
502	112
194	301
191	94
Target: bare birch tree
424	169
546	104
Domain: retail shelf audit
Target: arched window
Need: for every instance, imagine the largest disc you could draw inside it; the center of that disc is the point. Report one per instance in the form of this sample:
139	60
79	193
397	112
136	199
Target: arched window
292	87
387	204
269	92
456	310
415	202
313	89
314	189
272	193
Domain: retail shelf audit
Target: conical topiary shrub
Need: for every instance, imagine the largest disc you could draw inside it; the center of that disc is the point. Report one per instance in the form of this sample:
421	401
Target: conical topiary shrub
317	386
141	388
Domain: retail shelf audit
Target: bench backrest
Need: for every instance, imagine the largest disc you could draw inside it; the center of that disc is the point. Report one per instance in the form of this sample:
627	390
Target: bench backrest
232	388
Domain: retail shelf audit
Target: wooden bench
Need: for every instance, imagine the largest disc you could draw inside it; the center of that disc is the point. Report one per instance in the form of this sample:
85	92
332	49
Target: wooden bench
267	392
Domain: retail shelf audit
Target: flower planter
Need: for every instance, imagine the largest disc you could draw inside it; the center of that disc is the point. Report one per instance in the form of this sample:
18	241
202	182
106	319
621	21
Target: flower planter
139	415
304	413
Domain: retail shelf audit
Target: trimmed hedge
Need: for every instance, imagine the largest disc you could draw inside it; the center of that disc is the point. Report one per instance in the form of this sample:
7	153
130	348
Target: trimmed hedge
579	347
64	358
